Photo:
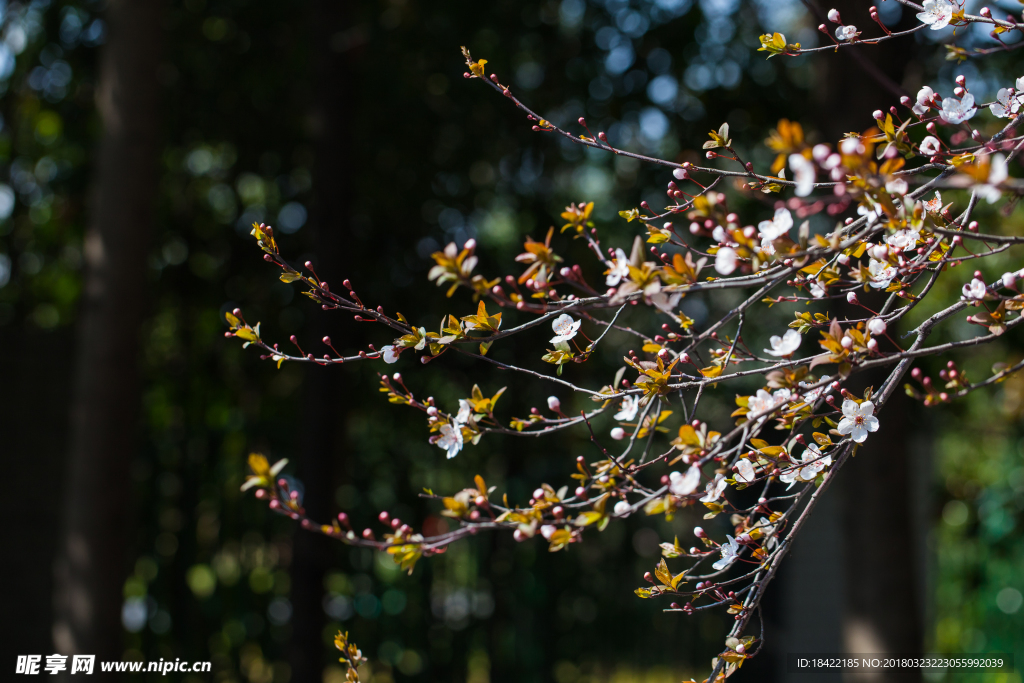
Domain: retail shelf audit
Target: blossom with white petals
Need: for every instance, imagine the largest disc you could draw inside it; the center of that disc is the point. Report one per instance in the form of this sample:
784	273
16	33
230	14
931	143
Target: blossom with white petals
937	14
565	328
803	174
975	291
1006	104
897	186
872	213
924	101
997	173
933	205
846	33
465	410
666	301
390	353
810	464
817	290
714	489
745	473
881	273
684	484
628	408
726	260
784	345
762	401
930	146
619	269
778	226
768	531
451	439
858	420
903	240
730	551
957	111
812	395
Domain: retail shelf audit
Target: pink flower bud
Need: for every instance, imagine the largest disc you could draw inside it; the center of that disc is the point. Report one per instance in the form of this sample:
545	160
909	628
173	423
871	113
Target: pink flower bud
872	344
554	404
847	342
519	536
618	433
539	494
851	297
698	532
833	16
878	115
843	259
876	326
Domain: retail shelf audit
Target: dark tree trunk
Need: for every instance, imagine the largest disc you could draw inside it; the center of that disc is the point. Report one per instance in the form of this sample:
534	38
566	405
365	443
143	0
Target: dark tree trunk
323	423
92	557
881	610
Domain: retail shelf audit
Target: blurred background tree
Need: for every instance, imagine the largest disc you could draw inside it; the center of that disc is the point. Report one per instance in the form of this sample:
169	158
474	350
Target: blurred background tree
349	128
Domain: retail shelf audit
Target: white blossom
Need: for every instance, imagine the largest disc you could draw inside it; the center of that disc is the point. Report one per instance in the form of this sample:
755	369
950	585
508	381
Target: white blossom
745	471
873	213
390	353
666	301
957	111
714	489
619	269
730	551
996	175
924	101
811	463
465	410
784	345
846	33
565	328
1006	104
778	226
937	14
812	395
881	273
684	484
628	408
930	146
858	420
934	205
897	186
817	291
768	530
803	174
975	291
451	439
903	240
726	260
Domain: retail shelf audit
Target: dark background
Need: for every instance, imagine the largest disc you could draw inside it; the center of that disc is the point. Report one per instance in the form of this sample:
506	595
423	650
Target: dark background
140	139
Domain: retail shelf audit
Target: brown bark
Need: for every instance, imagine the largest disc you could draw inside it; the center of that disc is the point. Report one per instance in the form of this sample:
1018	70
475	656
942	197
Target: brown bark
323	422
92	557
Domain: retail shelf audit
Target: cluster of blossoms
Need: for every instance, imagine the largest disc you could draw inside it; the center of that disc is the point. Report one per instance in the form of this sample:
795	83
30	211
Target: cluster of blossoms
794	427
